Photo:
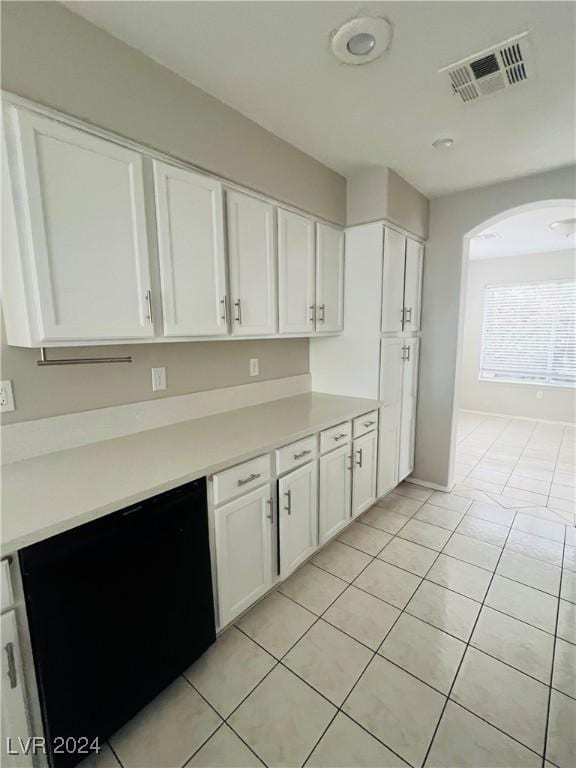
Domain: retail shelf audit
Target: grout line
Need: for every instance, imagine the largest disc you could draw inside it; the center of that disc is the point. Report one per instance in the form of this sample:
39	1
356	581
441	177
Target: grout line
553	662
448	697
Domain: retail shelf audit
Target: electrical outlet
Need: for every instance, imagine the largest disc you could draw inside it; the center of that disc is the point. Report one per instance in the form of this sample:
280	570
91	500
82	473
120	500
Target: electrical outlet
158	379
539	395
254	366
6	396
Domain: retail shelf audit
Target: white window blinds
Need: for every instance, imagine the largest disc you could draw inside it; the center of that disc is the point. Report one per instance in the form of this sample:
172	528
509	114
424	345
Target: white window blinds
529	333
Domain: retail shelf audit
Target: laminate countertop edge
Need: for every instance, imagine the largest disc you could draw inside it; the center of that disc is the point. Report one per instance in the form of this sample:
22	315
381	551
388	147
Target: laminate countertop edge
52	493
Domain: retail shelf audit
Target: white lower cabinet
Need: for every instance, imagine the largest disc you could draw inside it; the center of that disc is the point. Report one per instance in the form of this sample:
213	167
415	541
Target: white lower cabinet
243	541
298	516
335	481
398	393
391	366
364	472
15	729
408	412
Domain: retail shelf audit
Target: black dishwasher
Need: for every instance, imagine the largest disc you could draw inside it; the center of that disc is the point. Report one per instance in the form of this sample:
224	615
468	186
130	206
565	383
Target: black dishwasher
117	608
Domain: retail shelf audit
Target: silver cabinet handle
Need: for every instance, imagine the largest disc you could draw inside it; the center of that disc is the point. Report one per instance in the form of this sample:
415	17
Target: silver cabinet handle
368	423
403	356
249	479
238	316
271	515
322	309
409	315
349	464
224	303
12	676
288	507
148	299
341	436
312	317
408	354
359	452
300	455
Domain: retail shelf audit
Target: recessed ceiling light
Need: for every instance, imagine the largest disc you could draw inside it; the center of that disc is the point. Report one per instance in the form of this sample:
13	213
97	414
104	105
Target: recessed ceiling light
362	40
444	143
361	44
564	227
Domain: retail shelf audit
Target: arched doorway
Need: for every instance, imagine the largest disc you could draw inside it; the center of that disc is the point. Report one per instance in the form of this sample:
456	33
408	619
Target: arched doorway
517	275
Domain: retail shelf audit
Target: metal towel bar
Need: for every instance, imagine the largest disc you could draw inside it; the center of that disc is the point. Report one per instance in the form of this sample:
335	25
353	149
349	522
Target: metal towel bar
79	360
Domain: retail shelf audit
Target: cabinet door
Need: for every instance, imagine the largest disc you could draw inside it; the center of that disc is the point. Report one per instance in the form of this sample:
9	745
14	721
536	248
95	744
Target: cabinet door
252	265
243	532
364	472
296	273
329	279
190	222
298	516
393	281
85	222
14	720
413	285
408	411
391	367
335	476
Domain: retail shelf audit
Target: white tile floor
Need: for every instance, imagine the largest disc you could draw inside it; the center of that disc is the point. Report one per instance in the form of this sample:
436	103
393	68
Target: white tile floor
438	631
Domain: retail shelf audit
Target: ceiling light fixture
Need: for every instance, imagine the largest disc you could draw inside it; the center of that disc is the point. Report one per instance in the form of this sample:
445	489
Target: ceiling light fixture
444	143
564	227
362	40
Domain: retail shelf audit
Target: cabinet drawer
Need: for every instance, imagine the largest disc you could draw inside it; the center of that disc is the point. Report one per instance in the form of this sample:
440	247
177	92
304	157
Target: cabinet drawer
241	479
365	423
6	584
290	456
335	436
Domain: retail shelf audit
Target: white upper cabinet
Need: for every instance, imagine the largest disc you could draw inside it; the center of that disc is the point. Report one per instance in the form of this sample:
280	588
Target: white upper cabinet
298	516
82	218
252	265
190	222
393	281
329	279
296	273
413	285
408	410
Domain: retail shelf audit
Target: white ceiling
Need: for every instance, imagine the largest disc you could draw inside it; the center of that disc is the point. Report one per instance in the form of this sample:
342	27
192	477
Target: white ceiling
272	62
526	233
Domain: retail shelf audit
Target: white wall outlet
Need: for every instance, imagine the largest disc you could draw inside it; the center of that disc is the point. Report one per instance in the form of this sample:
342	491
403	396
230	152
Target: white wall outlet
255	366
539	395
158	379
6	396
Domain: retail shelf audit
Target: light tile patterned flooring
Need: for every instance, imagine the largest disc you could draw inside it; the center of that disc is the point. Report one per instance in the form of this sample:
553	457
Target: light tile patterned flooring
439	630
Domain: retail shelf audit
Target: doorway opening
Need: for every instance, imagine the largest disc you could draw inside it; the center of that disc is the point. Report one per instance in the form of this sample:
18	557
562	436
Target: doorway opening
516	378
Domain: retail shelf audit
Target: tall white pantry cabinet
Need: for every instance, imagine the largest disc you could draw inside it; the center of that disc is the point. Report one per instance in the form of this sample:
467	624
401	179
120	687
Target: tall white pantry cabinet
377	354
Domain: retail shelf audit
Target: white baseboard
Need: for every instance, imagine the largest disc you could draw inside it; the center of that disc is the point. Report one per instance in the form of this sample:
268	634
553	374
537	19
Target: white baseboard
27	439
426	484
519	418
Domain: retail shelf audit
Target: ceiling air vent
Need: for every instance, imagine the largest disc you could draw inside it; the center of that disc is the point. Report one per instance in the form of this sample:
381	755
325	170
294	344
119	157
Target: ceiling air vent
492	70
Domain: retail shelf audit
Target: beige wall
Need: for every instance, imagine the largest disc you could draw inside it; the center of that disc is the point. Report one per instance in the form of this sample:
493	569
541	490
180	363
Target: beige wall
557	403
190	367
380	193
59	59
53	56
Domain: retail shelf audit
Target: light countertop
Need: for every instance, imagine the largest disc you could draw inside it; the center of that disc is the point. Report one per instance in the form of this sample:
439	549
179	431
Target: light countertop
49	494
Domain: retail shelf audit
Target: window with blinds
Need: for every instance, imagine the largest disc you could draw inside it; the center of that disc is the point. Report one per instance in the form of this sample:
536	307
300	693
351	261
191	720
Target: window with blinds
529	333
